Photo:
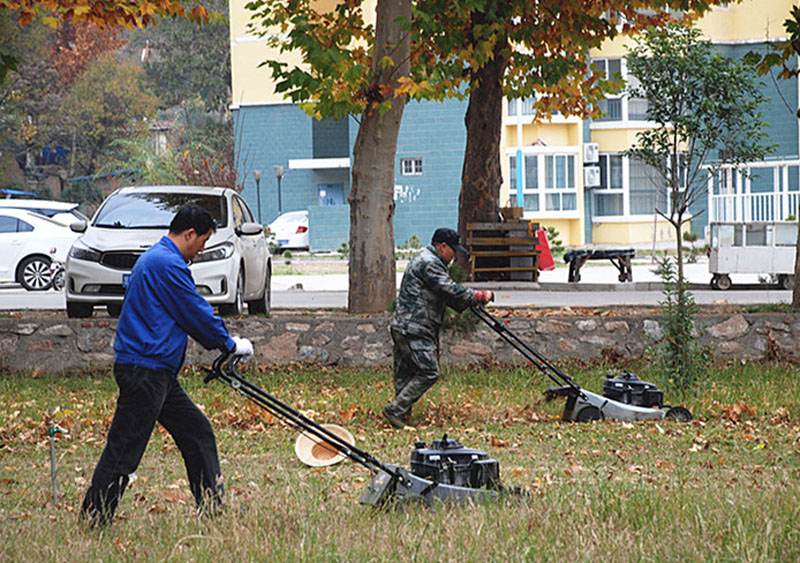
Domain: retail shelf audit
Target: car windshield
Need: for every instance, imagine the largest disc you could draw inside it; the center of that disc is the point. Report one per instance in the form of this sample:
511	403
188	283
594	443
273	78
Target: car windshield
154	210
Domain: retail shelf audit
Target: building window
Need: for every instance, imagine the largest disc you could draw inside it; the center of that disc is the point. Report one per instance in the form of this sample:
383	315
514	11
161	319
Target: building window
645	189
560	191
526	104
548	182
609	195
411	166
619	107
530	192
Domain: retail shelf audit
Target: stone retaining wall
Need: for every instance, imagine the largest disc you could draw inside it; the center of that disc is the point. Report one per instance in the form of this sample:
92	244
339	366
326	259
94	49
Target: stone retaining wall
63	346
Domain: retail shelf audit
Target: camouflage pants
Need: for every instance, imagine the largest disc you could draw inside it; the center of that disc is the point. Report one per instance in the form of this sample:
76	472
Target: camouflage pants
416	369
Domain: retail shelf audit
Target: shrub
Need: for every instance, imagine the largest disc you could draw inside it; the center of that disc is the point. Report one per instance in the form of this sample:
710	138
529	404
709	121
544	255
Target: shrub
680	355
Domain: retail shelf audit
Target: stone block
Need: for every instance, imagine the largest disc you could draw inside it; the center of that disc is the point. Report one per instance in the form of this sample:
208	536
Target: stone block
617	327
279	349
58	330
730	329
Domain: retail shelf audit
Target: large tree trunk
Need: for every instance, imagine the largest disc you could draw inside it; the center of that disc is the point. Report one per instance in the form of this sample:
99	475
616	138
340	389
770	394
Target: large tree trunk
481	176
372	285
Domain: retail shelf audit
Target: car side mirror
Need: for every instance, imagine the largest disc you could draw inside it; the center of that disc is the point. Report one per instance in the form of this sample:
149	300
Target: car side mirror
250	229
78	226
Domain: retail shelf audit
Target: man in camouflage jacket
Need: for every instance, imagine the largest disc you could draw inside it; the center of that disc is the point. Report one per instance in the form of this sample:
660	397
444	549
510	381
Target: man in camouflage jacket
425	292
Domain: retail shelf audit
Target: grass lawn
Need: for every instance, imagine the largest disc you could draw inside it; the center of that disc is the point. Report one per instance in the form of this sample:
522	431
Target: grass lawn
724	487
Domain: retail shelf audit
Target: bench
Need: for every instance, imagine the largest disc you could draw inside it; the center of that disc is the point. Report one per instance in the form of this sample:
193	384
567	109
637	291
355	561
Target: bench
620	258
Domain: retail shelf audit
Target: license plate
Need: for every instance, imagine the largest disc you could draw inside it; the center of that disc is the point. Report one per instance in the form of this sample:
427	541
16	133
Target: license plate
284	241
126	279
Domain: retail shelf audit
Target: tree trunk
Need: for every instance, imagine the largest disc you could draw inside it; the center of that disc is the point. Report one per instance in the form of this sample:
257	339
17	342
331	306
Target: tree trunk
796	288
679	257
372	286
481	176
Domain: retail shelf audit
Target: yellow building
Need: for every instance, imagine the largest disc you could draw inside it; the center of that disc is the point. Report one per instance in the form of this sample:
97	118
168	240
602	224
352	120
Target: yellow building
573	174
567	173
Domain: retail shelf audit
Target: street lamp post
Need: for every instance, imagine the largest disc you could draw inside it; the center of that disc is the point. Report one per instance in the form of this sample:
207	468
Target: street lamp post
257	177
279	176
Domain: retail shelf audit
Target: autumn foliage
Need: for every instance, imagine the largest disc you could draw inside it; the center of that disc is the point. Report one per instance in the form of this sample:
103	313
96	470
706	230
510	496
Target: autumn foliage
102	13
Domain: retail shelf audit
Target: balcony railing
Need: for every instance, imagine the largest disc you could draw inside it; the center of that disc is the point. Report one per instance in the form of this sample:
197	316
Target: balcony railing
756	191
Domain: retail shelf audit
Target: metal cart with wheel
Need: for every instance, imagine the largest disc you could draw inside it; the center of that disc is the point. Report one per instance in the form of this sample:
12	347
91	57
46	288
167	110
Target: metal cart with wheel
752	248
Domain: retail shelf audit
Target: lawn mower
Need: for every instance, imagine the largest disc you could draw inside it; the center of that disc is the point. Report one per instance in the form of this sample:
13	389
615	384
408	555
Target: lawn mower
625	396
446	471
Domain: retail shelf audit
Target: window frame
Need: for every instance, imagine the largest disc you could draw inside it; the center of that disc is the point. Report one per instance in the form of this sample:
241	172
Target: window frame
541	191
416	166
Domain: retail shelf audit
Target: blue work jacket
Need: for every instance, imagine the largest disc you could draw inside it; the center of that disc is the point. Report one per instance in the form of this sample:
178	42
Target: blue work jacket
161	308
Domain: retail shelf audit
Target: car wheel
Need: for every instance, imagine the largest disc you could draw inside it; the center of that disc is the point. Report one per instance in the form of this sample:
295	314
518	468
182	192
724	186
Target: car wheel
237	307
114	309
59	279
263	305
34	273
79	310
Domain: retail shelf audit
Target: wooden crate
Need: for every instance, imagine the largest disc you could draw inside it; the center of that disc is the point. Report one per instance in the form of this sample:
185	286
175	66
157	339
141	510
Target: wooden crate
503	251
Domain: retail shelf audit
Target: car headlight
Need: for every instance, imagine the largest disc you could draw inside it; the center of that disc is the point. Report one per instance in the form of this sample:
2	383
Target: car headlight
81	251
220	252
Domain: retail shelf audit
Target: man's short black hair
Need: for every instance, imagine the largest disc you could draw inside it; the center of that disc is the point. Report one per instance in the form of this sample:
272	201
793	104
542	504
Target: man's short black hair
192	217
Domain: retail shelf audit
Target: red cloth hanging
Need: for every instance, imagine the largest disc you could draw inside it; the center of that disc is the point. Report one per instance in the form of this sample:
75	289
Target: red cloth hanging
546	262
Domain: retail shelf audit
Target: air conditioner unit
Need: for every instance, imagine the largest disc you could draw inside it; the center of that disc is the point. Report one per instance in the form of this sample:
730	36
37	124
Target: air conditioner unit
591	153
591	177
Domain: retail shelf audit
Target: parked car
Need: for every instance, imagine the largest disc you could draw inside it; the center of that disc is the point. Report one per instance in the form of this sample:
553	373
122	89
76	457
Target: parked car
235	268
60	211
290	230
30	242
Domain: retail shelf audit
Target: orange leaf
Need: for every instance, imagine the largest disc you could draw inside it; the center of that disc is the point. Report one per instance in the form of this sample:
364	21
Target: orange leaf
498	443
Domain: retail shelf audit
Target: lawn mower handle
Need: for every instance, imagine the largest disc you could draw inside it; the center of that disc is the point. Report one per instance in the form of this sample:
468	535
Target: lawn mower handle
224	368
544	365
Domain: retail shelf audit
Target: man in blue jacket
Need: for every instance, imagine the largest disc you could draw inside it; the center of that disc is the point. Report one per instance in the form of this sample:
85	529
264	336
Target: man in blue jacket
161	308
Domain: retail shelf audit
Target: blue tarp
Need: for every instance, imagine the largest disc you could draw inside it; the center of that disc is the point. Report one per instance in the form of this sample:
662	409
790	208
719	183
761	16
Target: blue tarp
9	192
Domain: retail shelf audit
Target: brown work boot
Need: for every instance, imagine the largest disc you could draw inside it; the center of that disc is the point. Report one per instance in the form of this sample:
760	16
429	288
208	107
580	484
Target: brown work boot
394	420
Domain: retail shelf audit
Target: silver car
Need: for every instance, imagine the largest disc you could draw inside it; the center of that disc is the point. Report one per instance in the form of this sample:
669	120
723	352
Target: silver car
235	268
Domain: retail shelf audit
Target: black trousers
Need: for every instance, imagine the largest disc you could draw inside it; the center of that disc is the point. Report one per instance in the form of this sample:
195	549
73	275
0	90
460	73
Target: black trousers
146	397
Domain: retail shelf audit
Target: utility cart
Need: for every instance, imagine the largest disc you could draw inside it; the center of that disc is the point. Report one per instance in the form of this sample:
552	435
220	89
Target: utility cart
752	248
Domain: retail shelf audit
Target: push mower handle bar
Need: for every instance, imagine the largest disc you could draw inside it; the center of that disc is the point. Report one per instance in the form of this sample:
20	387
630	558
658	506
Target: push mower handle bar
224	368
534	357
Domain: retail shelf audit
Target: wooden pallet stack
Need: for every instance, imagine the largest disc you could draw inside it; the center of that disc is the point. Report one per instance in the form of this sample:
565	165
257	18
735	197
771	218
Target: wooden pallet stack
503	251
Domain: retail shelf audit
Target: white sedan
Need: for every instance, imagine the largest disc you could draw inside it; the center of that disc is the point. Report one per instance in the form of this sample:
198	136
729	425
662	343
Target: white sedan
235	268
290	230
29	243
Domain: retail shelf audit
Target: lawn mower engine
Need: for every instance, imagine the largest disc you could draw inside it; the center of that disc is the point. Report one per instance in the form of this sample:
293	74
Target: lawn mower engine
629	389
449	462
444	472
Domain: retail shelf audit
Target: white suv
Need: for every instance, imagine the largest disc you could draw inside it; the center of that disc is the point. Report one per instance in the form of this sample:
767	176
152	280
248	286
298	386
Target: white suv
234	268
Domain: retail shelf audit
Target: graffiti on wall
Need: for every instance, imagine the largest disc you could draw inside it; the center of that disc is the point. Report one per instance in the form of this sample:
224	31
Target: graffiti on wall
406	194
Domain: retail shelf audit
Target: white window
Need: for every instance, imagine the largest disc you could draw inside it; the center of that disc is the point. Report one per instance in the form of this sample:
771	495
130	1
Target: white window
549	182
411	166
645	191
628	187
620	106
608	196
561	193
526	104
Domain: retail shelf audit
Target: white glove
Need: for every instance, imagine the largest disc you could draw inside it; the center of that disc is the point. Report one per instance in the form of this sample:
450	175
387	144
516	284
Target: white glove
244	348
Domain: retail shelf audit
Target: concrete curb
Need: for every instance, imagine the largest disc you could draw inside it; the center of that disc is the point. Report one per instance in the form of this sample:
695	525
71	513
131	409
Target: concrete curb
577	286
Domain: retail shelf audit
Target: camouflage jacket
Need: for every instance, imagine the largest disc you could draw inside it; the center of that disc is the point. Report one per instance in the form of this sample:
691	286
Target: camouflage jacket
425	293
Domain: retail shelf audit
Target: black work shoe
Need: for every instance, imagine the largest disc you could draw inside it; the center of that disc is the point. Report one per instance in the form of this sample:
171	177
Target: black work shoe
392	419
